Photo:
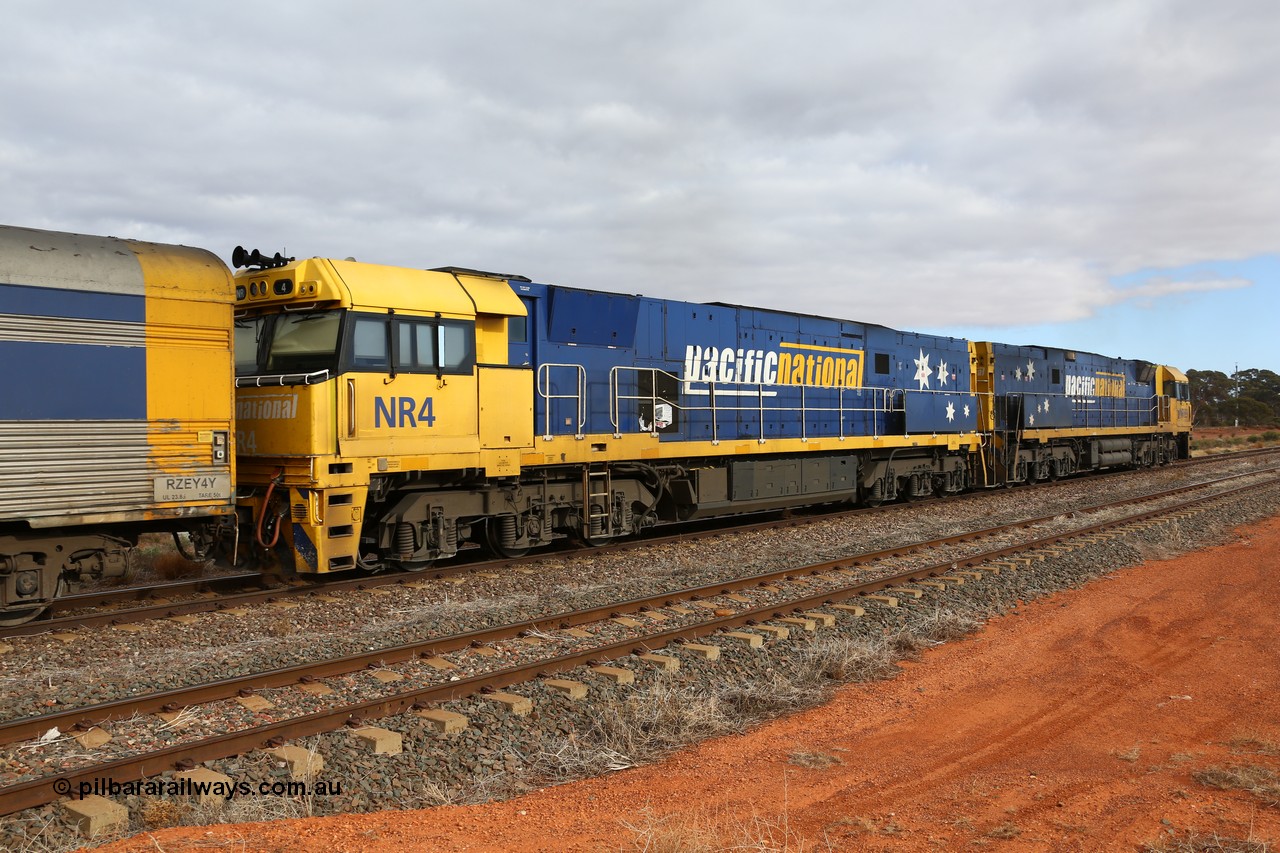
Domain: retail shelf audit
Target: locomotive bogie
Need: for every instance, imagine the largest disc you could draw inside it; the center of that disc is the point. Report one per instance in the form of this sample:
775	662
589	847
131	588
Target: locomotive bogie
36	568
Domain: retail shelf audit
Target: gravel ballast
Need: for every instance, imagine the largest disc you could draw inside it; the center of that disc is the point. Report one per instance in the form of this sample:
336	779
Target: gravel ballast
501	754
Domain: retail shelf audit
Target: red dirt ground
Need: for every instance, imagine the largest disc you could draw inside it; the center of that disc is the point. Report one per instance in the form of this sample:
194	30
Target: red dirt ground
1074	724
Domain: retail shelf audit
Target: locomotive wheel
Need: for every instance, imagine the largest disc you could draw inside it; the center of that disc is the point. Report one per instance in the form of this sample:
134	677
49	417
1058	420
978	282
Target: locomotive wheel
493	540
588	542
13	618
131	564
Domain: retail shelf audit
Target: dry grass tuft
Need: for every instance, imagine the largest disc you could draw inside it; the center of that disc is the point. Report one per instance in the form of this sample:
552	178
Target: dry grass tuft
172	566
940	626
157	814
1254	742
906	645
433	794
857	823
670	834
571	758
1259	781
944	625
1005	831
843	659
1194	842
257	809
645	724
814	760
1130	754
698	832
748	702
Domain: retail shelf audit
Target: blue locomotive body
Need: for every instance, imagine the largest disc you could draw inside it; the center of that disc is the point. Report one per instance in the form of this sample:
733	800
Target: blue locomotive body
611	363
1049	388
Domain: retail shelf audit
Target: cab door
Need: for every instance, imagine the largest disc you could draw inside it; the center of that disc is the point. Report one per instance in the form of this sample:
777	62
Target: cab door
520	336
409	390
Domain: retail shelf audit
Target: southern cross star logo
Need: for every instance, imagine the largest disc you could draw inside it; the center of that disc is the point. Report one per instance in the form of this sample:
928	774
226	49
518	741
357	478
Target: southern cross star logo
942	374
1031	370
1017	372
966	411
951	412
922	371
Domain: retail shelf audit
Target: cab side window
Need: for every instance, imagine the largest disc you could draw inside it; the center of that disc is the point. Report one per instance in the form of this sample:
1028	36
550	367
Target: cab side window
435	346
518	330
369	344
417	347
457	347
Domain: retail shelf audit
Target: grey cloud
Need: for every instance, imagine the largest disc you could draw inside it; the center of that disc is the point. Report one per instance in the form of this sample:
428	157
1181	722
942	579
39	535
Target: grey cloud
867	161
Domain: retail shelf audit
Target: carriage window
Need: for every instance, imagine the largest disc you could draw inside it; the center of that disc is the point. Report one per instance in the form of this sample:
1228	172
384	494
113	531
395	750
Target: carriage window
882	363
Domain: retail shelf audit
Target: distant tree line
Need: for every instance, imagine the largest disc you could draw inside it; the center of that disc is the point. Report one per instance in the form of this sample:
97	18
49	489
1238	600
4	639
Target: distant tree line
1251	396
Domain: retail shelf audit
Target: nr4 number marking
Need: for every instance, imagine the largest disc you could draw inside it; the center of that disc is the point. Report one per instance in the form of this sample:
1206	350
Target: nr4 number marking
401	412
247	441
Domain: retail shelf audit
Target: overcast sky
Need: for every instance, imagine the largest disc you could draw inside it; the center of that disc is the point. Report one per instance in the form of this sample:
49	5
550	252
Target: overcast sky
1095	175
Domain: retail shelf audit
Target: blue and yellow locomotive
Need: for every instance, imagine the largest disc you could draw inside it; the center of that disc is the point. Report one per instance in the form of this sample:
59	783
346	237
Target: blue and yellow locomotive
387	417
1051	412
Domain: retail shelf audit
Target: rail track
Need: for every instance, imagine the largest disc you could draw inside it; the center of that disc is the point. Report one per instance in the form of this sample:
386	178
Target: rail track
760	605
137	604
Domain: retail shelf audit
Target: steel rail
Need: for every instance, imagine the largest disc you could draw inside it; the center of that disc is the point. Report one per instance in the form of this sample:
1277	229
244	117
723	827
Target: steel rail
86	716
40	791
169	609
100	598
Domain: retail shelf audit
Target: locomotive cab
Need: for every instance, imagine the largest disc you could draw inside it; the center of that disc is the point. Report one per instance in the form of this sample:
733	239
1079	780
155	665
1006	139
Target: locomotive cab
1175	406
359	389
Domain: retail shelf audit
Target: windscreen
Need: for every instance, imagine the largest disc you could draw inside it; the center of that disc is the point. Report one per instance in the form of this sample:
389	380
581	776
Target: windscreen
286	344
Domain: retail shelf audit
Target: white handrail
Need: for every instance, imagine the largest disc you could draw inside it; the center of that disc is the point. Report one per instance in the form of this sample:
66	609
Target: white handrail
579	395
883	402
